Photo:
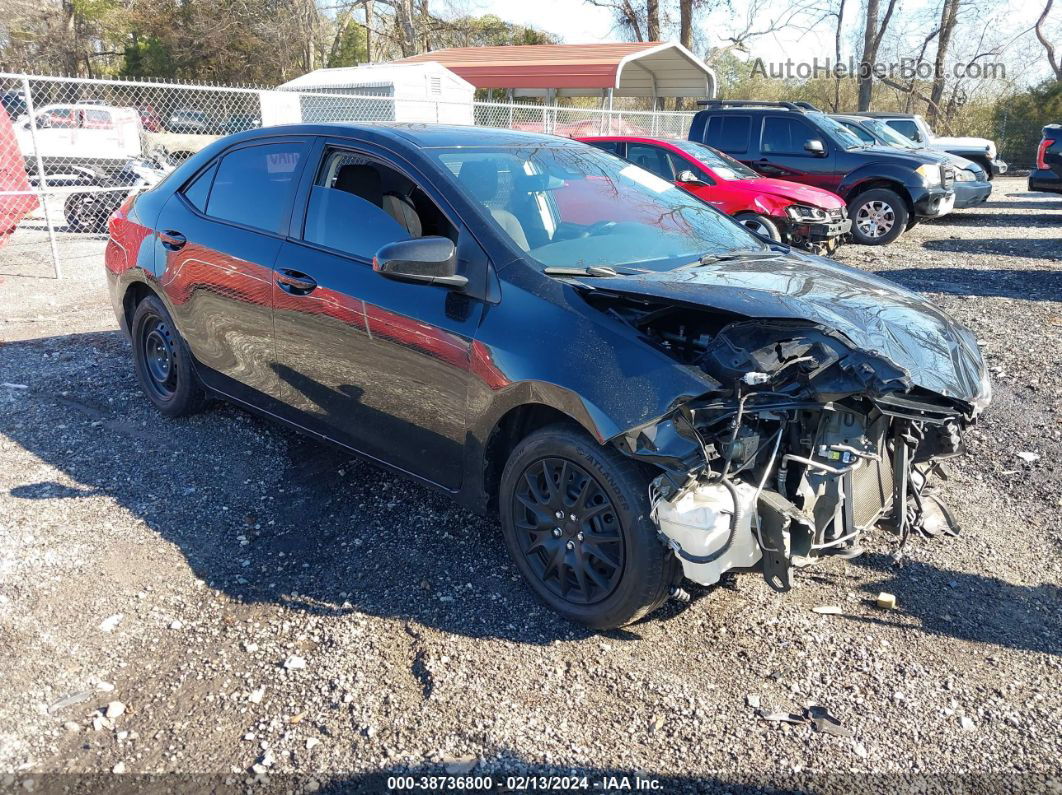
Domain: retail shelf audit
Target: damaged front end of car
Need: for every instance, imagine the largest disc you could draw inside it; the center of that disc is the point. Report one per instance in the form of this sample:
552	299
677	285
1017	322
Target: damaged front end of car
831	418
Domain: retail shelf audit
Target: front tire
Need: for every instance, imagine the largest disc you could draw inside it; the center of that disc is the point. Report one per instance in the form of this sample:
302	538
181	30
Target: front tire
761	225
879	216
162	361
575	516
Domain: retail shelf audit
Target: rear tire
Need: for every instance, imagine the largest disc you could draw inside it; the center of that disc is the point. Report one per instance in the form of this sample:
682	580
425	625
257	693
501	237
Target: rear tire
86	213
162	361
879	216
575	516
761	225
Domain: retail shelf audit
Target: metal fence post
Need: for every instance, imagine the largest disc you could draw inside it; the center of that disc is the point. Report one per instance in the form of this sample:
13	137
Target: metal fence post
42	180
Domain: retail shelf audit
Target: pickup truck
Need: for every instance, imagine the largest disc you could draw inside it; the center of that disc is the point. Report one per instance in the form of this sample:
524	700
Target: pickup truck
81	137
980	150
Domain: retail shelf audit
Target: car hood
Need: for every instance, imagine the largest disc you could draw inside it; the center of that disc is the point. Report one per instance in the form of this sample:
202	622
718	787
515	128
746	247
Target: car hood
913	157
802	194
875	315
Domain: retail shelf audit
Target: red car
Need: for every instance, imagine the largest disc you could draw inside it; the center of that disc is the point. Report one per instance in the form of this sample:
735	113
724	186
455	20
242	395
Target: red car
788	212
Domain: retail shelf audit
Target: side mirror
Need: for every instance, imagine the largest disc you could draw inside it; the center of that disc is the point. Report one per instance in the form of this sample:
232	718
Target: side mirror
815	147
424	260
687	177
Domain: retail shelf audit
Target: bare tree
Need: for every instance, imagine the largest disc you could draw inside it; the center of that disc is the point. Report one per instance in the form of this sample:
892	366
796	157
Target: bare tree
837	55
628	17
1052	59
873	32
652	20
949	16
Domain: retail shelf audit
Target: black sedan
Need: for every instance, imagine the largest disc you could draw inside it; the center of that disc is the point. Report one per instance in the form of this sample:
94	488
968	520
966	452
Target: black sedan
638	386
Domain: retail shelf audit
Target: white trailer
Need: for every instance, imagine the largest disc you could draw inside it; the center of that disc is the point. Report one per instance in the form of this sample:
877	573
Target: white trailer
414	92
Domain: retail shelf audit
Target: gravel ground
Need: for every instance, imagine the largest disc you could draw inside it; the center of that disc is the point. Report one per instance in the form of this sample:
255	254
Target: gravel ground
206	595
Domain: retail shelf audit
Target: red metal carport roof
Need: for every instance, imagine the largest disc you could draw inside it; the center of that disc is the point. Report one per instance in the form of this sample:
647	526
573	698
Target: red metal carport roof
642	69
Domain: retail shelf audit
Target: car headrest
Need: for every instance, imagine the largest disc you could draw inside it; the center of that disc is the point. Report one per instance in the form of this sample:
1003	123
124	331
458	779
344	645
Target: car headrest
361	180
480	177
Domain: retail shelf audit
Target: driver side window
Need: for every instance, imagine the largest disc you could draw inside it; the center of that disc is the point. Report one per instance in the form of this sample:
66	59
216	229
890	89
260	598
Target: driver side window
652	158
357	204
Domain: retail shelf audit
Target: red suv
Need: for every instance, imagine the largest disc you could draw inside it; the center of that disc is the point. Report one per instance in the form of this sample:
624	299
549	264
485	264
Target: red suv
788	212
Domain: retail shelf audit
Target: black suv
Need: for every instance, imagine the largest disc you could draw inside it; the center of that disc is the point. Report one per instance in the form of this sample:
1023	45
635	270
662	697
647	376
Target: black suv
1047	175
887	190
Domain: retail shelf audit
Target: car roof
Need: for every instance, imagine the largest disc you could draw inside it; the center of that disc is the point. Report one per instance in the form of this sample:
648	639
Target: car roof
425	136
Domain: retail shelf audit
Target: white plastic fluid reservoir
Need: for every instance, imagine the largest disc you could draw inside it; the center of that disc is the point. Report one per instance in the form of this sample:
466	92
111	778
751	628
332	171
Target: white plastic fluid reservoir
698	520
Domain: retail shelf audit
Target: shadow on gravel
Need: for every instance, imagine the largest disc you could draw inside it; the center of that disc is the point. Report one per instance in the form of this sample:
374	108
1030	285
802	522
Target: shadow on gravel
969	606
266	515
978	219
1032	248
1027	285
1044	204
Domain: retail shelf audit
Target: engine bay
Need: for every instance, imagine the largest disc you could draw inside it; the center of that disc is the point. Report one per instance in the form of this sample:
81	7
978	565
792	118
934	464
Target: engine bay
807	445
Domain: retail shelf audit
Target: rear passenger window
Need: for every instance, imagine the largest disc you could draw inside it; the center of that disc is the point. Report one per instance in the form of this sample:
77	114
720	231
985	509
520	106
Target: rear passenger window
252	185
729	133
199	189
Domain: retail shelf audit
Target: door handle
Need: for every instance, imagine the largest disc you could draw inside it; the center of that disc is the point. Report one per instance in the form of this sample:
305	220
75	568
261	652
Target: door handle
295	282
172	240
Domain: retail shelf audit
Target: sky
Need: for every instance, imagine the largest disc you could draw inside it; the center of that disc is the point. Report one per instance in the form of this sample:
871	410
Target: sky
579	22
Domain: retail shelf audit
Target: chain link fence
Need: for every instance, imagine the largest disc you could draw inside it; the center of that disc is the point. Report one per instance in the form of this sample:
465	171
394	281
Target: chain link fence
72	149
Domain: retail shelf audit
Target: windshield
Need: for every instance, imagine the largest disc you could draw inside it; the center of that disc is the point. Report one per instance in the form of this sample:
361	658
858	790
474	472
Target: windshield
576	207
724	166
889	135
840	133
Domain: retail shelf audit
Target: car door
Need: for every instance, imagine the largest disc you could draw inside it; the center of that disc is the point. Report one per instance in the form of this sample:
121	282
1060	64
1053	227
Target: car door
378	365
706	188
218	239
783	154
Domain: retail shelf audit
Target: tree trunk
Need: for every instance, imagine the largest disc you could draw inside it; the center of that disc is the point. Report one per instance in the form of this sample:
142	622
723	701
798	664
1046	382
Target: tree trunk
652	20
685	36
837	58
368	31
948	15
1056	65
872	36
408	40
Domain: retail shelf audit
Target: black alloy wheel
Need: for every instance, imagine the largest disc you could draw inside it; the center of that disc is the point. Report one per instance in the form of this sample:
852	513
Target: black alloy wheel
569	531
575	518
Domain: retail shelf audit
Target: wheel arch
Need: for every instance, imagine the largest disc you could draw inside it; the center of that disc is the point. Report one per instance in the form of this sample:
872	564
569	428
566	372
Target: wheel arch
888	184
515	425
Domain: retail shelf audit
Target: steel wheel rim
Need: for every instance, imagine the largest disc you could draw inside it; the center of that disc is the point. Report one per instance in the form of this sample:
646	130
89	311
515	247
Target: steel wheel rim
875	219
568	531
160	360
